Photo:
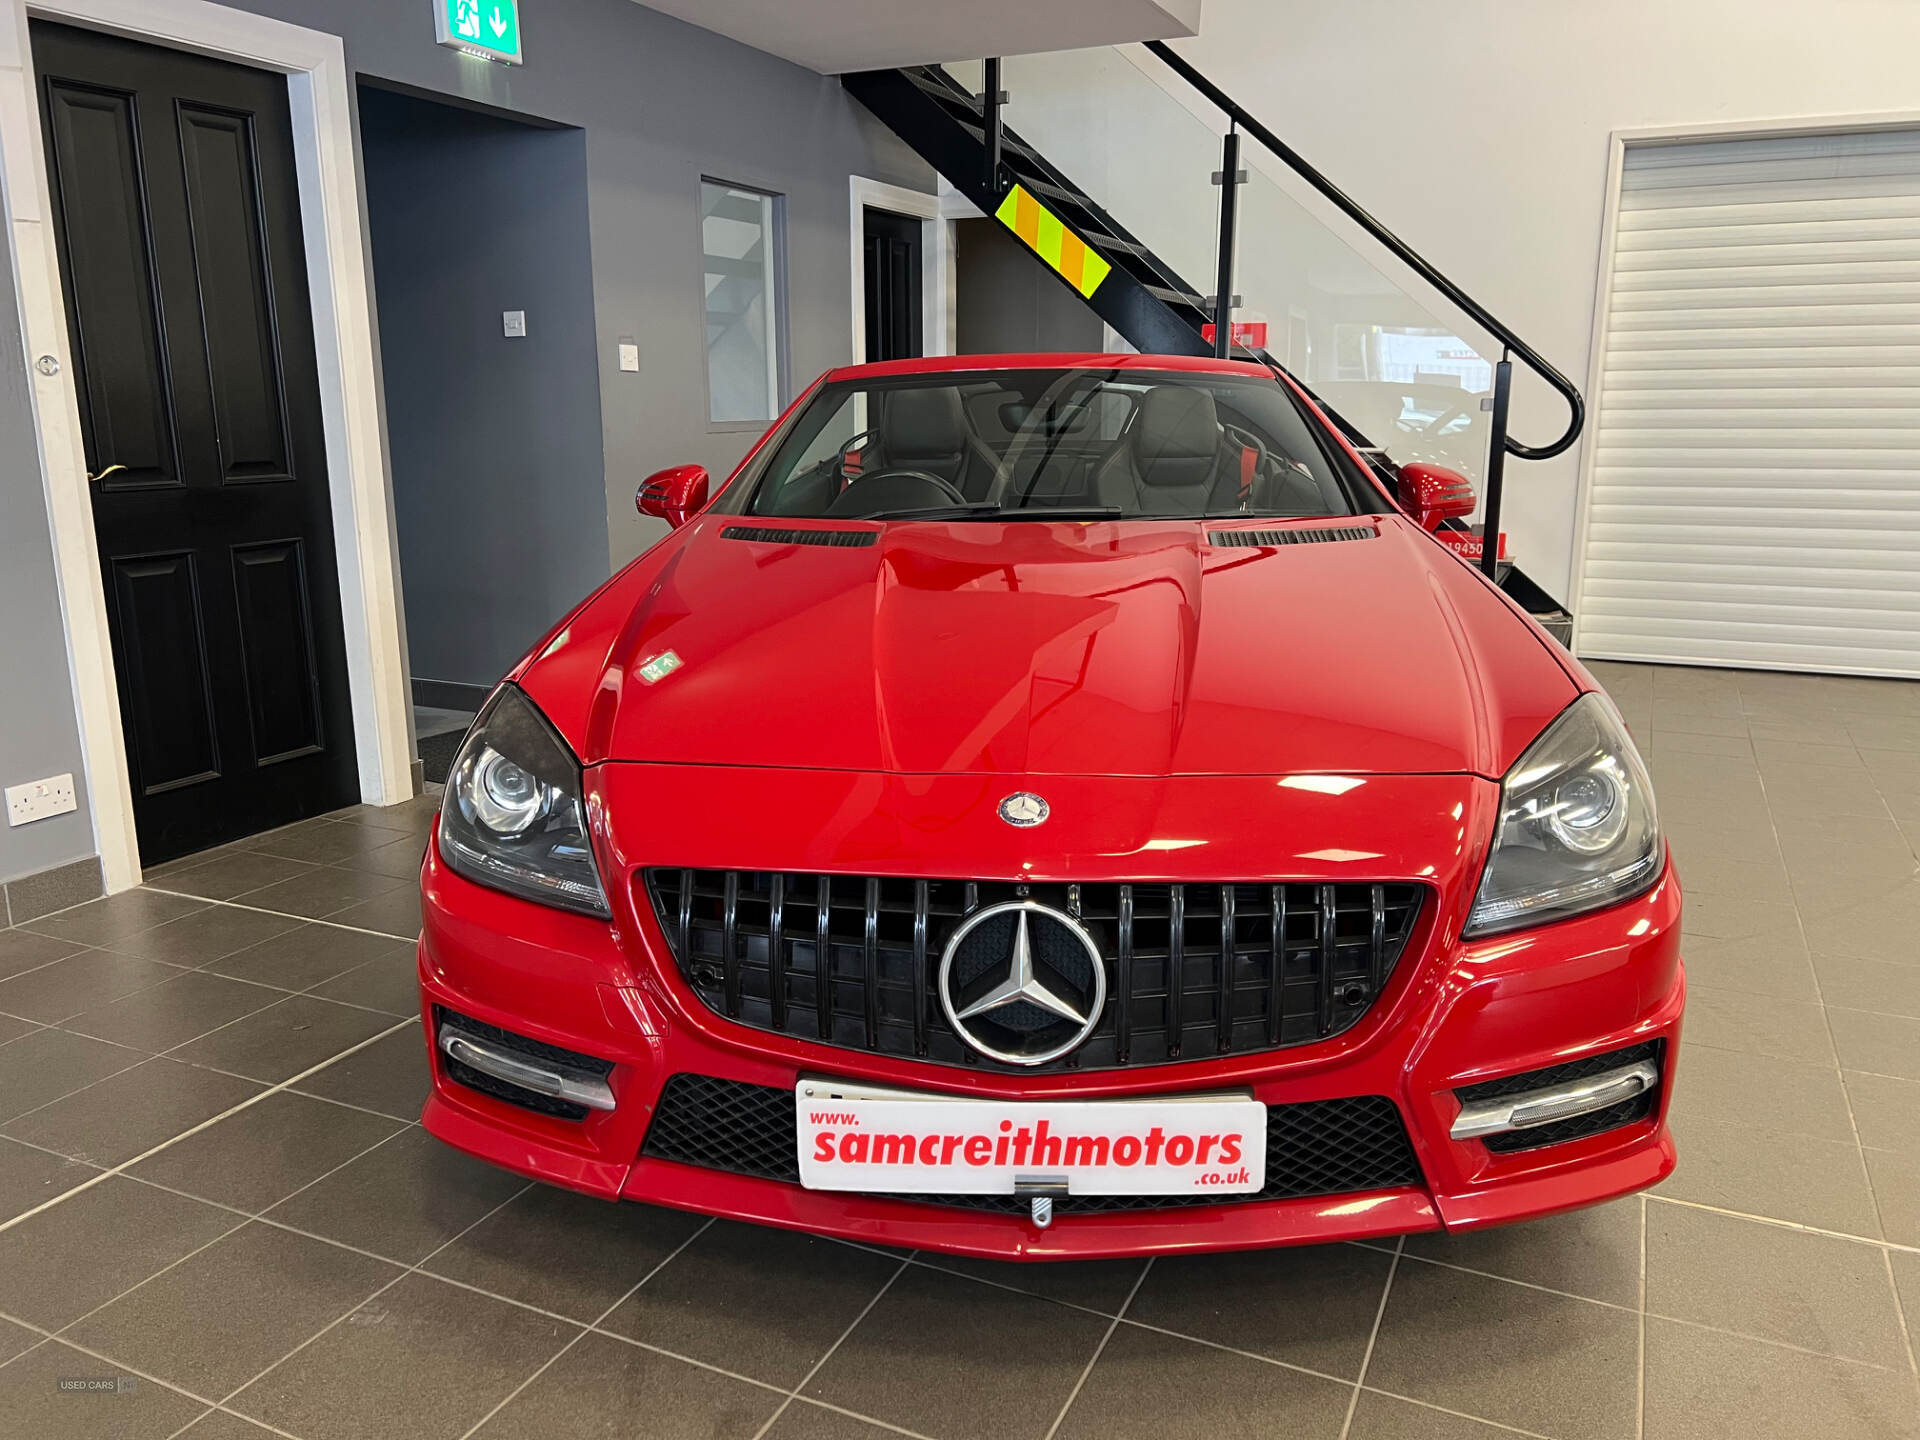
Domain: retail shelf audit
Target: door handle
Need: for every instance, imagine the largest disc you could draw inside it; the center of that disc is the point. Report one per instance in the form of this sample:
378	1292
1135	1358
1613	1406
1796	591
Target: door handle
110	470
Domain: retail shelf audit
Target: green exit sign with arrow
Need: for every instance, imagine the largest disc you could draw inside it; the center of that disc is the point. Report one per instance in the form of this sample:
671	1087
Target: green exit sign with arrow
487	28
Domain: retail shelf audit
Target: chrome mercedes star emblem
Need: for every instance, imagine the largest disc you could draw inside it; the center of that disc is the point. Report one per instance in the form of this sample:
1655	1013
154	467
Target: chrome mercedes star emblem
1023	808
1016	1007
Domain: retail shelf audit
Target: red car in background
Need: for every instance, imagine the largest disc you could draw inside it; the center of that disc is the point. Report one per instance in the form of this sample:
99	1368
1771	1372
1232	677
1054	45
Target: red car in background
1055	806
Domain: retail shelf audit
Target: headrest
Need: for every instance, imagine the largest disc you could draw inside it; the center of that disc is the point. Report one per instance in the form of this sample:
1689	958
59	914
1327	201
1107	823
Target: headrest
924	425
1176	435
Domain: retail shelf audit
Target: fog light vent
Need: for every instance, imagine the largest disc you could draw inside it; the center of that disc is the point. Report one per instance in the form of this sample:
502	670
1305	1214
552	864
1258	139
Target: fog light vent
1562	1102
521	1070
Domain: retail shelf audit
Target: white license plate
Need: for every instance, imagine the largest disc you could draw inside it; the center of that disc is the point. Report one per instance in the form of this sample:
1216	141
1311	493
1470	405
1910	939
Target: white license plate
862	1138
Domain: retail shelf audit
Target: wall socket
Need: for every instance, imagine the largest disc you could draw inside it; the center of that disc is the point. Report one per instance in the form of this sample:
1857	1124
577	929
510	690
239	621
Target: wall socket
37	799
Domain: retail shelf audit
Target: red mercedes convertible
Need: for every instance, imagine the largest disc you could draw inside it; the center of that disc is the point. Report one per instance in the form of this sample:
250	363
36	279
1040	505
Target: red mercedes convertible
1056	806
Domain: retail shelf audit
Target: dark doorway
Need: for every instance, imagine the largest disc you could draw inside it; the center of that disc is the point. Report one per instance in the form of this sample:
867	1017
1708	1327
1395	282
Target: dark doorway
177	215
893	285
1009	302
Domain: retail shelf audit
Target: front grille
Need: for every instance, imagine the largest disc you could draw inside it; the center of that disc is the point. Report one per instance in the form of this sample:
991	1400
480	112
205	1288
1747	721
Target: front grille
1194	971
1578	1127
464	1074
1320	1147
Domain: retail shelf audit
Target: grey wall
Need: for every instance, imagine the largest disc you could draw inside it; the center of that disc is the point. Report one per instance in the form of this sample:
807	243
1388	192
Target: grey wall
499	487
39	731
1007	301
662	103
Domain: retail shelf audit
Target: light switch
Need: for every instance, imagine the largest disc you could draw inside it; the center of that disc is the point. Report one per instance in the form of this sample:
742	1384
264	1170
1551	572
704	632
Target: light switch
513	324
629	356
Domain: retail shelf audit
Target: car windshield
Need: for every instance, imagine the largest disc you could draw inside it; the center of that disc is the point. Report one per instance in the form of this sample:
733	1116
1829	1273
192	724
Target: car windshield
1050	444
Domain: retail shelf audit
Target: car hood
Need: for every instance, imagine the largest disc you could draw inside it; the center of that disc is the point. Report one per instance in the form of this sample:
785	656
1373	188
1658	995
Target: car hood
1105	648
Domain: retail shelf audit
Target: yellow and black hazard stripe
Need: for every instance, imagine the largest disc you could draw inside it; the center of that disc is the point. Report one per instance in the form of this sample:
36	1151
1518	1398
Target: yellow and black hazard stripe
1052	241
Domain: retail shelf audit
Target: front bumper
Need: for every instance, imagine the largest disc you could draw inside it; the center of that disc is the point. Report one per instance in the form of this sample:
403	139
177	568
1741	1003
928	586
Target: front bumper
1455	1014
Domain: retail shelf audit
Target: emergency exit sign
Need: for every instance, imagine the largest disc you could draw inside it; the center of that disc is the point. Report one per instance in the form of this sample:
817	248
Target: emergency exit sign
487	28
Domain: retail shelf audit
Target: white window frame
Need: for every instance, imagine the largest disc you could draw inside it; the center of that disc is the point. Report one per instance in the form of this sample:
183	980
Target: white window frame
776	291
327	168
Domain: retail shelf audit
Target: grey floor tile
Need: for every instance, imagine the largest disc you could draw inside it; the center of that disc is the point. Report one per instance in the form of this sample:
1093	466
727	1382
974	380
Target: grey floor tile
1148	1386
223	1315
1566	1367
399	859
1307	1305
397	912
1832	1296
206	935
1821	1183
1882	1044
601	1386
61	1263
390	984
16	1340
277	1043
322	841
26	950
33	1404
566	1252
1387	1417
1707	873
1906	1281
1896	1191
1774	967
30	1177
322	892
1593	1252
1882	931
1718	917
1101	1285
261	1155
1887	1112
223	1425
230	875
1758	1024
916	1359
308	956
1799	754
79	982
1737	1087
117	1118
1885	986
115	918
47	1064
403	1200
789	1297
390	1076
1823	790
423	1360
12	1027
1705	1385
804	1420
173	1012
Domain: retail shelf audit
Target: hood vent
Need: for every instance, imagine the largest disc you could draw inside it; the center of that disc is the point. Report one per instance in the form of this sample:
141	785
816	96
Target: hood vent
1325	535
766	535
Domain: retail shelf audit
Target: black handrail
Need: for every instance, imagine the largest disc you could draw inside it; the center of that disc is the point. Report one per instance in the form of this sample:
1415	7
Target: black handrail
1400	249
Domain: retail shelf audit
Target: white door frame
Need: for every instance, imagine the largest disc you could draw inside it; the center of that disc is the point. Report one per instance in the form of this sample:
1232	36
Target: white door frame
936	261
1617	144
327	166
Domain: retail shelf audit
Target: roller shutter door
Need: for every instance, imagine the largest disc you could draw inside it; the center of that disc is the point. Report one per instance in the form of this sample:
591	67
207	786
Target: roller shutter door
1755	494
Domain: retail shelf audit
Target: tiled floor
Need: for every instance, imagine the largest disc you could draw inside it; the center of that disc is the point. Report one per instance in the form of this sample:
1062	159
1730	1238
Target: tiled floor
212	1184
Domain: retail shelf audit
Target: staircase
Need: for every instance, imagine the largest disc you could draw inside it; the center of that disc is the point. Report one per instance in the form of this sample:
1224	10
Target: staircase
965	138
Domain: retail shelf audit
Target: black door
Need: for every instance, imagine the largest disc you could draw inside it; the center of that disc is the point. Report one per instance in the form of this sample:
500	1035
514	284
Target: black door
179	232
893	285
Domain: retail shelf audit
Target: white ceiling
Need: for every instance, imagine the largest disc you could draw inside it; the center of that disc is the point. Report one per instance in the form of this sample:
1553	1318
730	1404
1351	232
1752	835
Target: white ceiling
833	36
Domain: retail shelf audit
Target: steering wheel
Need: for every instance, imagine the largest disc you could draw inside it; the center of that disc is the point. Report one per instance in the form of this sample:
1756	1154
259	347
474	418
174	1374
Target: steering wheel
893	489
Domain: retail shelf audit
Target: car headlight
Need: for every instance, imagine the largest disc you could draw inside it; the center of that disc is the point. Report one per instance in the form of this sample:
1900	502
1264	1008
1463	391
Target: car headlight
513	817
1577	826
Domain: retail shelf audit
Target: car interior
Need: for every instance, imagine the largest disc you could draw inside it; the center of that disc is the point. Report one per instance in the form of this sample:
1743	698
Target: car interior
1013	444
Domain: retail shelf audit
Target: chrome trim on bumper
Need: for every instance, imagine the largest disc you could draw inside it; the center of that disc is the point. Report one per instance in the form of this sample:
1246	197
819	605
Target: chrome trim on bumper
550	1080
1555	1102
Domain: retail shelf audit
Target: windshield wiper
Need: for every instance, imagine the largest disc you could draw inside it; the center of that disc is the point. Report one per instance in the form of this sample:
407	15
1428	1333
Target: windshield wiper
1058	512
922	512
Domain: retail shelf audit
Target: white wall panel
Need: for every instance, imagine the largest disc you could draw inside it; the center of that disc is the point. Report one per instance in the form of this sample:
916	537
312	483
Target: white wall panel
1755	494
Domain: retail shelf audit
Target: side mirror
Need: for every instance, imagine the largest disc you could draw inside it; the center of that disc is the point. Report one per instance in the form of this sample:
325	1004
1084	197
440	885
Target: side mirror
1434	494
674	495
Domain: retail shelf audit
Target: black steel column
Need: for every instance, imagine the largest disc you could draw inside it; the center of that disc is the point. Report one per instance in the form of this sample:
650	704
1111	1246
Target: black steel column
1496	469
990	101
1229	181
